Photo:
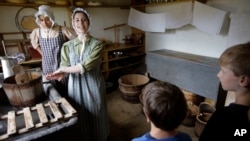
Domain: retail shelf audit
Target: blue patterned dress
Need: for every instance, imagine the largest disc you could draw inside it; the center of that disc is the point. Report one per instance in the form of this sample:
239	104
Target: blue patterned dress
51	48
88	91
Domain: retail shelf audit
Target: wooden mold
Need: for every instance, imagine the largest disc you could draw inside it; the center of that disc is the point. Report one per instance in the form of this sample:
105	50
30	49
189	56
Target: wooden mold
40	115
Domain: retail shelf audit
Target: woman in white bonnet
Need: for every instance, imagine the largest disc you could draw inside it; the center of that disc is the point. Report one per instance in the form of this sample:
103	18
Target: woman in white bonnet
48	40
81	58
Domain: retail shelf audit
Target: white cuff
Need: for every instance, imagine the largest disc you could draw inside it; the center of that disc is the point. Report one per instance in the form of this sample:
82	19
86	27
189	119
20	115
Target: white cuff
82	68
61	69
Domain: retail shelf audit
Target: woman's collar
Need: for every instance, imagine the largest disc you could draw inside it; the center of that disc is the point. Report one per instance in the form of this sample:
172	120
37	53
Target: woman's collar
78	41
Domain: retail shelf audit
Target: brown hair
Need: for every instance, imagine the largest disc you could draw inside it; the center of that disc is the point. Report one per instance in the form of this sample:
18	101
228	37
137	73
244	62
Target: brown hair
237	58
164	104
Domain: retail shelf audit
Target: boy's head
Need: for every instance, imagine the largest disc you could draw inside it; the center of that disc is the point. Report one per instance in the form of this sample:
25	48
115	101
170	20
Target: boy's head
164	104
237	58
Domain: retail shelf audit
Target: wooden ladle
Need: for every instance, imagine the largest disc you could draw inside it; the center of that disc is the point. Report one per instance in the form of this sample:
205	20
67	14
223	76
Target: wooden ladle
20	75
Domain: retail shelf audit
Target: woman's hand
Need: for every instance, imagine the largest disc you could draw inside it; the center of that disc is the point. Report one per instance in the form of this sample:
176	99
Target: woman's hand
60	73
57	75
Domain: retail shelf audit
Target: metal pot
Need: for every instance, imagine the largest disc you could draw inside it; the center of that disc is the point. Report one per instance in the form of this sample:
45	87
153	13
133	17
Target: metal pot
3	97
7	63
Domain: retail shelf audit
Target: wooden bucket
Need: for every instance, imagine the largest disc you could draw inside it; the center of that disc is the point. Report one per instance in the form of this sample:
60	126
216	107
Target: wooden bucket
24	94
131	85
205	112
190	119
193	98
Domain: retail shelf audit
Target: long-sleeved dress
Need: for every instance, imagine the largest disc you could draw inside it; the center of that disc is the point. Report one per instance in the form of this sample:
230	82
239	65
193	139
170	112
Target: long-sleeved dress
87	90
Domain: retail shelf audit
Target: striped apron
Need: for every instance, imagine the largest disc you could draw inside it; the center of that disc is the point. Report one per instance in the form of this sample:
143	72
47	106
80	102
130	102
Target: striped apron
87	90
51	57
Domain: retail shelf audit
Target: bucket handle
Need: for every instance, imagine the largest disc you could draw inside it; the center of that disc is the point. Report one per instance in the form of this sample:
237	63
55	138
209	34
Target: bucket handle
206	104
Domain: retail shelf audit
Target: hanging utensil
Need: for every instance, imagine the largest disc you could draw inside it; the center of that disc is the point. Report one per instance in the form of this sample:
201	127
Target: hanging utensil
4	48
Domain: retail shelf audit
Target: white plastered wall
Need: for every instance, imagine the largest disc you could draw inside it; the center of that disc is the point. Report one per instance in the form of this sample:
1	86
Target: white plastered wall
191	40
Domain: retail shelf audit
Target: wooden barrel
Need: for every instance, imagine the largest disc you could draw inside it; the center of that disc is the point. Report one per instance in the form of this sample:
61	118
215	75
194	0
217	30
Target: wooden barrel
131	85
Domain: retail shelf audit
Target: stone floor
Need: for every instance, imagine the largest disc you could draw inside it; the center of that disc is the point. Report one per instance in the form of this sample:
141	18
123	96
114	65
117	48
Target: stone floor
127	120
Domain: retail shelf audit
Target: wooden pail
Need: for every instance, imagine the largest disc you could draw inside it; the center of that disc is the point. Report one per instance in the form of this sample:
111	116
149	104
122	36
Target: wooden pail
131	85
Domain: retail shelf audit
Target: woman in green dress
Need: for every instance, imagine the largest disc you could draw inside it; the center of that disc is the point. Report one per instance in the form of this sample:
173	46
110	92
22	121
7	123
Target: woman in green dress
81	59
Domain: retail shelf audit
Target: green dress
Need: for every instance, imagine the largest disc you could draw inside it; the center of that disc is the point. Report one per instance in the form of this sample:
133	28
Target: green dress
87	90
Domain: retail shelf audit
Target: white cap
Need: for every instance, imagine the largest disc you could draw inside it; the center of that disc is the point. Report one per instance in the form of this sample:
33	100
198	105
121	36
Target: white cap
45	11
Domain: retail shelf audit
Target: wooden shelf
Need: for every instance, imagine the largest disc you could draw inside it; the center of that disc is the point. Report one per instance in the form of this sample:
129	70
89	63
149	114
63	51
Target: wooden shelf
130	65
31	62
120	47
123	57
67	6
28	4
132	56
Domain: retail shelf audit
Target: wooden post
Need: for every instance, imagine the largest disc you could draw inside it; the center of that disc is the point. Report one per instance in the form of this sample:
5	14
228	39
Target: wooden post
116	31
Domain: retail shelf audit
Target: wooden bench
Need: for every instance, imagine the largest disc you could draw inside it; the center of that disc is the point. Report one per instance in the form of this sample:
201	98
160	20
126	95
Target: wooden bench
193	73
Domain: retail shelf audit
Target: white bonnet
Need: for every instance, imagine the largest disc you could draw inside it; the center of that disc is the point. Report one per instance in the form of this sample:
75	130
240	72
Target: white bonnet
45	11
81	10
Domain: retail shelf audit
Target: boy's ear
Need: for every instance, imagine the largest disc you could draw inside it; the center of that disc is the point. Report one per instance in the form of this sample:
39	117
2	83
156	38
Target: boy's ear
245	81
148	119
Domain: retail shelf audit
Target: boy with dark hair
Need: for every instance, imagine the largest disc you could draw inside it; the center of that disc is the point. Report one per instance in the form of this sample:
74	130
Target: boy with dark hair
165	108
